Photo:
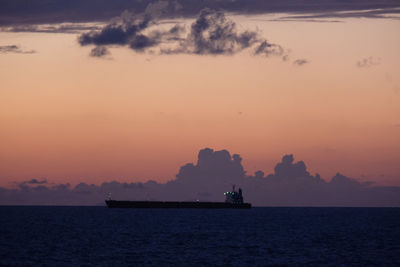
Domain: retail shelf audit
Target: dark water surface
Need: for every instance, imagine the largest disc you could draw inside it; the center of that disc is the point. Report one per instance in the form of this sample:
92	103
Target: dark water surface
70	236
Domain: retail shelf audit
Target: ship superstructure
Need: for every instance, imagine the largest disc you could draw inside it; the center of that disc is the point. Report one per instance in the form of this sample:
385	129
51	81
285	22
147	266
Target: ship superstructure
234	197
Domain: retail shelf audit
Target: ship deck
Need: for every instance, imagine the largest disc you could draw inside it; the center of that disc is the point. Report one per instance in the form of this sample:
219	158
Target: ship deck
175	204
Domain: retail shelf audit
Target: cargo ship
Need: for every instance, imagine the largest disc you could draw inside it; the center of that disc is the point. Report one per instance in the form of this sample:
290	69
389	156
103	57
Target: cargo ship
233	200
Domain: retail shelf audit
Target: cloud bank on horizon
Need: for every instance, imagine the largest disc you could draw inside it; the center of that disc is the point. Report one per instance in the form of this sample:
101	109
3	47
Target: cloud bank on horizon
214	173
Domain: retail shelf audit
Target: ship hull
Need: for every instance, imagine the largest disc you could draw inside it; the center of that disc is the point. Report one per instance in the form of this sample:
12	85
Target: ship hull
174	205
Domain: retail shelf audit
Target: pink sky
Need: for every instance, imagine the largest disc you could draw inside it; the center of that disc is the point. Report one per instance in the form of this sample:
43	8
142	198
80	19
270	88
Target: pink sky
67	117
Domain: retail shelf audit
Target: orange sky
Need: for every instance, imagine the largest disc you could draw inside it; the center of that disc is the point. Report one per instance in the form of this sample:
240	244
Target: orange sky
70	118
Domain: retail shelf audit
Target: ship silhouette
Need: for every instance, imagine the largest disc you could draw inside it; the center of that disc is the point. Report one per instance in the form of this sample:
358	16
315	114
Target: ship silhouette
233	200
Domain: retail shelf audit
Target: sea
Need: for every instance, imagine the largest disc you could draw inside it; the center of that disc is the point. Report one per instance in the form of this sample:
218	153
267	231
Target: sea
98	236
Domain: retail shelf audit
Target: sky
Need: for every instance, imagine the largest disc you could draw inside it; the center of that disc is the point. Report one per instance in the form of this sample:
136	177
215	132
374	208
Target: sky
78	104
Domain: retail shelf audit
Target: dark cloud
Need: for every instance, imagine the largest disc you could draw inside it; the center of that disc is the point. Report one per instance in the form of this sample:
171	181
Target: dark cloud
291	184
4	49
140	42
56	11
118	32
99	51
265	48
368	62
212	33
128	29
300	62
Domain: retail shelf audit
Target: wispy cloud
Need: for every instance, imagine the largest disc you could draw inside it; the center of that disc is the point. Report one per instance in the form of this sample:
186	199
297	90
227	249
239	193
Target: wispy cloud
300	62
368	62
72	28
321	16
4	49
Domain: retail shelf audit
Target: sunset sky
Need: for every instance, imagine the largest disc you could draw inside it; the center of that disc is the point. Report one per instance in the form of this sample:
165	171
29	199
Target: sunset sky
332	99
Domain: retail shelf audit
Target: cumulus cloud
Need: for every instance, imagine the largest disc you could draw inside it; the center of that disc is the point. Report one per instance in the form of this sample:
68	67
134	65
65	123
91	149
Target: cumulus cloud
300	62
368	62
128	29
118	32
215	172
212	33
288	169
4	49
291	184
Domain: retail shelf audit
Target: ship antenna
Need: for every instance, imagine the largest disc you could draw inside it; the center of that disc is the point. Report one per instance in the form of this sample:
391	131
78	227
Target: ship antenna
233	188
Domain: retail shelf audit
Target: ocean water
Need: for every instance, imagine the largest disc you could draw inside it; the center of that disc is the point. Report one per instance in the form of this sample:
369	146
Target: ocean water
97	236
